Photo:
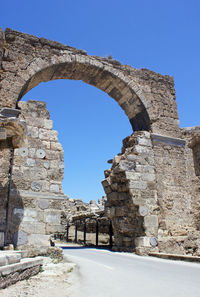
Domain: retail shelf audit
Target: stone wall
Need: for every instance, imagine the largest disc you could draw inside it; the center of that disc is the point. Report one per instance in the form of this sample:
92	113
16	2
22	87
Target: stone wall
36	196
153	194
38	206
38	166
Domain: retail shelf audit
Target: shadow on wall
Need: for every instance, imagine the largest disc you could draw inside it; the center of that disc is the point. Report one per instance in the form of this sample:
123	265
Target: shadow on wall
11	215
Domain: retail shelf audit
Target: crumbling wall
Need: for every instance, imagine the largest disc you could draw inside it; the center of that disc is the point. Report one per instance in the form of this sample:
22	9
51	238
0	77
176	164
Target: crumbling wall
36	197
38	166
153	195
131	191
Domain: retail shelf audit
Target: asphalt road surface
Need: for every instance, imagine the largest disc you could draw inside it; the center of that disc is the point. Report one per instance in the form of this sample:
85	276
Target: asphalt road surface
108	274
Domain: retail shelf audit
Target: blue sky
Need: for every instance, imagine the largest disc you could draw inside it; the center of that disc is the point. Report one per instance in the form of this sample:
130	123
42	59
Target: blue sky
163	36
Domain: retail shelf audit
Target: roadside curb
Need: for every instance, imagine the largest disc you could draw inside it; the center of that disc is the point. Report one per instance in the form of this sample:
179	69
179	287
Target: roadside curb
176	257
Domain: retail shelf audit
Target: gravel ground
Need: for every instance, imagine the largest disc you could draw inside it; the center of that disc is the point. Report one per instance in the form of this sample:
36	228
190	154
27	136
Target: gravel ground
57	280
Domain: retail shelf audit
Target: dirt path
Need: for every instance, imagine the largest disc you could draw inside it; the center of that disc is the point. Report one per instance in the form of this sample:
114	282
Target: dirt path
57	280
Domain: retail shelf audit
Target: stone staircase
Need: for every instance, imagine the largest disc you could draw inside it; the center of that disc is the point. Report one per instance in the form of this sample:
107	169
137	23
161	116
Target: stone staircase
15	266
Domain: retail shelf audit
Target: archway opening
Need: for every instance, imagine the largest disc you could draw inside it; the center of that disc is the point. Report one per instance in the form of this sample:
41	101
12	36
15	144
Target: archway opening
91	128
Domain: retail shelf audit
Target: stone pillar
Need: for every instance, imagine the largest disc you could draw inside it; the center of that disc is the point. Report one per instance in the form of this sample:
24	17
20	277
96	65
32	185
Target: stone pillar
36	195
130	186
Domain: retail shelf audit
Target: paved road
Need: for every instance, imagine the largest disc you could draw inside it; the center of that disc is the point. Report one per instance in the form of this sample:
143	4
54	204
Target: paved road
108	274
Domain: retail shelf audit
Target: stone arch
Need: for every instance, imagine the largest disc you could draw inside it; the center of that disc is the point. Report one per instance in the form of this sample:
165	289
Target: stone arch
135	184
96	74
147	98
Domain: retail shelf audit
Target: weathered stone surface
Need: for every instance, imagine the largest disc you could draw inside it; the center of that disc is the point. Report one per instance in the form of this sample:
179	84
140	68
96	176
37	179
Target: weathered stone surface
153	241
11	274
54	188
47	135
30	162
36	186
23	151
46	164
40	153
20	238
53	217
43	203
18	213
31	226
1	239
143	210
30	215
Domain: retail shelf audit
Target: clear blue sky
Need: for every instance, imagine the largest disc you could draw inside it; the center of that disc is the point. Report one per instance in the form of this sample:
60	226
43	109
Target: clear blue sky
163	36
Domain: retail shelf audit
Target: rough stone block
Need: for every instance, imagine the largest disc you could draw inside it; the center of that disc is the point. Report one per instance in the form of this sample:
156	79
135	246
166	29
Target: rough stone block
48	124
145	142
30	215
43	203
31	152
23	151
142	185
151	221
40	154
50	229
147	169
45	186
36	186
47	164
30	162
48	135
20	238
3	134
148	177
3	261
56	146
143	210
18	213
33	228
38	239
127	165
32	132
153	241
13	258
52	217
54	188
46	144
142	241
61	165
132	175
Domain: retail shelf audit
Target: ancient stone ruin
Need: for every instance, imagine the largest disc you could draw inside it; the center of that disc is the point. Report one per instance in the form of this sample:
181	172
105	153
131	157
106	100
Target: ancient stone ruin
152	187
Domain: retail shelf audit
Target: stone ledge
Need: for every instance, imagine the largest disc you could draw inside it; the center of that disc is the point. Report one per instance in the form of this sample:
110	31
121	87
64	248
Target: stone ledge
24	264
12	278
39	195
23	253
176	257
9	258
156	138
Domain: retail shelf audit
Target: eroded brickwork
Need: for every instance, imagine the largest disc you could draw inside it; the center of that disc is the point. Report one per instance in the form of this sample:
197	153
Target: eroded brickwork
38	166
130	186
